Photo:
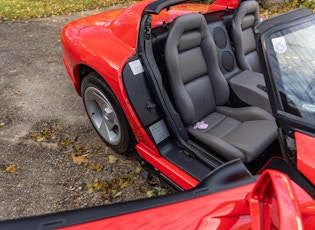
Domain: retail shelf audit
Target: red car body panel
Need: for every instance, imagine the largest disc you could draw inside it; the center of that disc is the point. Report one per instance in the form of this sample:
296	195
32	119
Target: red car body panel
229	206
305	145
283	204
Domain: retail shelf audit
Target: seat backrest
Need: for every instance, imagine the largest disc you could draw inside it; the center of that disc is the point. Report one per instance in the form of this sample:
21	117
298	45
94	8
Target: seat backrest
226	58
195	78
246	17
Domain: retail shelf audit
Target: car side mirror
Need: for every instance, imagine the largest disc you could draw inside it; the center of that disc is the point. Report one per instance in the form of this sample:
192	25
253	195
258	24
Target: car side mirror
273	203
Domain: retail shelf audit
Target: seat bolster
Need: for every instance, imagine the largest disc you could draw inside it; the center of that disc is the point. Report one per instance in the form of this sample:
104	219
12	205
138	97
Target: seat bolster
249	113
219	145
219	83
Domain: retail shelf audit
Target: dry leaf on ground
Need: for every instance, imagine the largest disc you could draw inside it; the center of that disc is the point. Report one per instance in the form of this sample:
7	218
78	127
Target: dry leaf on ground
11	168
112	159
95	167
79	159
150	193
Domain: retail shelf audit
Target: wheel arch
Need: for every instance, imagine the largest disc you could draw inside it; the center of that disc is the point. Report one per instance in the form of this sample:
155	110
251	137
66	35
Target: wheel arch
82	71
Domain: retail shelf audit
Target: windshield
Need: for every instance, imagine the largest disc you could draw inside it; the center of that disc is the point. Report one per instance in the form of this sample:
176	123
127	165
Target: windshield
292	58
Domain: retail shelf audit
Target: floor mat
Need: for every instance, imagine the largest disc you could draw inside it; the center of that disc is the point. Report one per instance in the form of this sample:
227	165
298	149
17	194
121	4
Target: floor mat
279	164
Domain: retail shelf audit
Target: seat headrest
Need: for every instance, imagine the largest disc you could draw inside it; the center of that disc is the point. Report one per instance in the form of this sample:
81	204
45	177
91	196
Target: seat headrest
247	14
190	29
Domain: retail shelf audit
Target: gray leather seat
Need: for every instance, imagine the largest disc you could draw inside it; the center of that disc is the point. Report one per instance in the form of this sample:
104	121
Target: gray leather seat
201	92
246	17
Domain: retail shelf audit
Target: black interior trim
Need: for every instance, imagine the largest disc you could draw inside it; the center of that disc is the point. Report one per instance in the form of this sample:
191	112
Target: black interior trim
179	157
157	6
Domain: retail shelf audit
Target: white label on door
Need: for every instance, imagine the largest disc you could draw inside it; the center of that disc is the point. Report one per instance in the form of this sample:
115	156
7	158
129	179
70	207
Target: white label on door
136	67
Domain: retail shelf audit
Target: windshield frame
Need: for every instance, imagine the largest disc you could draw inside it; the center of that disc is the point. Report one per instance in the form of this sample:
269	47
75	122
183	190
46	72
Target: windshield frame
292	55
272	69
157	6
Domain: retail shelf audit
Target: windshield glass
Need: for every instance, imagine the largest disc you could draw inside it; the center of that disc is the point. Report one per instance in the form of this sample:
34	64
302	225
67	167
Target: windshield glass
292	58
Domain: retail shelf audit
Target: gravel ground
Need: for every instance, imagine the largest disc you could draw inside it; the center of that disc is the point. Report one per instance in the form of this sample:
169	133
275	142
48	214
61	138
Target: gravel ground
44	130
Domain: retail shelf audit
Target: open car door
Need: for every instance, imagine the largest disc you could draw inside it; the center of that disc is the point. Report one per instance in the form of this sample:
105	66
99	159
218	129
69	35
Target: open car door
286	43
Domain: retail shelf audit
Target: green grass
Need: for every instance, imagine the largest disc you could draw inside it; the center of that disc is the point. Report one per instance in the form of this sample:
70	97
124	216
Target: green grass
13	10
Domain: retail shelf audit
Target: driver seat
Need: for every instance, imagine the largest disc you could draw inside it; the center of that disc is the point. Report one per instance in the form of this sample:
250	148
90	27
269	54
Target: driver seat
201	92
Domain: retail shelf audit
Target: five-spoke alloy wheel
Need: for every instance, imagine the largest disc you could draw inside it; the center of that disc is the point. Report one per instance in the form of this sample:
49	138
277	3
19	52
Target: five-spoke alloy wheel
105	113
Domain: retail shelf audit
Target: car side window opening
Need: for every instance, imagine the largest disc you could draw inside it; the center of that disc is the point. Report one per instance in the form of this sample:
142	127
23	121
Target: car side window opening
292	57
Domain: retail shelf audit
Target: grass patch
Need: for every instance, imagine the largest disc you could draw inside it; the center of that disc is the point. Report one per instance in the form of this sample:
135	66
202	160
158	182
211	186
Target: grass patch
13	10
269	8
274	9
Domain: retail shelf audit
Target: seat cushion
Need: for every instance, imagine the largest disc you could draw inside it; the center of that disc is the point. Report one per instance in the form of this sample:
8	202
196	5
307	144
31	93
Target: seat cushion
232	138
252	137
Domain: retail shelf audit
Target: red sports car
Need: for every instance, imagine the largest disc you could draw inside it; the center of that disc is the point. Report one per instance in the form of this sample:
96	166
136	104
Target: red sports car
195	85
212	98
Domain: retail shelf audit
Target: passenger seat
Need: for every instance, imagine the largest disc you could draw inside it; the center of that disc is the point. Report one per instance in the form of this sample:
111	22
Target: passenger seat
246	17
201	93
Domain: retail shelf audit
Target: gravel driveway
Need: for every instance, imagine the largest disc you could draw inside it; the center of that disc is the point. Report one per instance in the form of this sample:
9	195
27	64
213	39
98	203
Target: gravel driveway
44	128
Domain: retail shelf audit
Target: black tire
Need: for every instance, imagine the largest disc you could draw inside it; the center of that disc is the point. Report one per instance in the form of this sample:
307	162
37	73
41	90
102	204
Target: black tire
106	114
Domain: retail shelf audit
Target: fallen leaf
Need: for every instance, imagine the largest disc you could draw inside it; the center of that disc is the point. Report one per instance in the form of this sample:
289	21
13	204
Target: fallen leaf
34	135
162	192
90	166
79	159
100	186
47	134
71	188
79	149
88	151
17	92
118	194
129	176
90	155
138	169
40	139
112	159
94	167
89	188
89	191
125	183
11	168
150	193
66	143
98	168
